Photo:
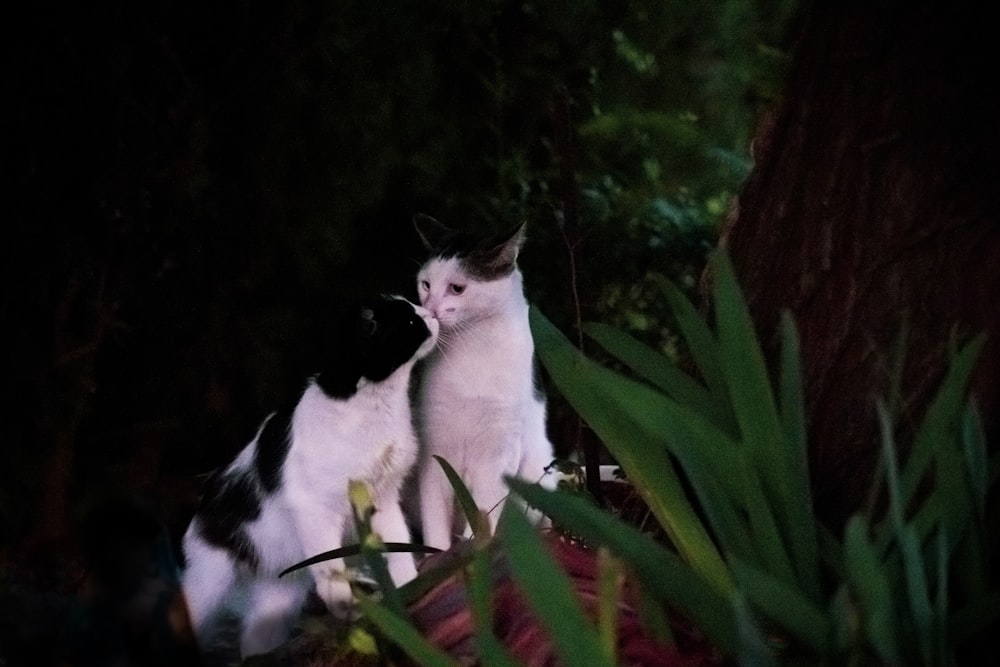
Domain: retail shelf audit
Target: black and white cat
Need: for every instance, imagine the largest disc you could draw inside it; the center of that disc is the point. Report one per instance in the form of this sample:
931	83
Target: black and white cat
478	405
285	496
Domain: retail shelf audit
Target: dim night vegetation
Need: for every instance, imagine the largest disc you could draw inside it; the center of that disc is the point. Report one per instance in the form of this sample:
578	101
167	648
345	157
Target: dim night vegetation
193	185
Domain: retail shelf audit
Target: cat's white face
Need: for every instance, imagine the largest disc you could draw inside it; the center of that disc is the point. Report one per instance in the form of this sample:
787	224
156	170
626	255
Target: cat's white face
456	299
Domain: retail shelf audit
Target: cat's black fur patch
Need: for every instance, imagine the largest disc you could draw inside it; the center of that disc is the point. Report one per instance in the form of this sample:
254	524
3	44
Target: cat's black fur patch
374	339
537	383
484	258
272	449
231	500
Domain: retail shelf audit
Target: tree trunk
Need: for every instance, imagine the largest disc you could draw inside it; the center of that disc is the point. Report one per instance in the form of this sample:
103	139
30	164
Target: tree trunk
872	210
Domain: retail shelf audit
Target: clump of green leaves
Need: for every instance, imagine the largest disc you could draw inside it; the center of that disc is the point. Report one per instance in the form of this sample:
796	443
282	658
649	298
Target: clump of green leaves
750	563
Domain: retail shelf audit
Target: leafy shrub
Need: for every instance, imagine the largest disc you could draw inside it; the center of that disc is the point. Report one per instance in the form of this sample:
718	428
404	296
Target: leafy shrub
753	566
721	460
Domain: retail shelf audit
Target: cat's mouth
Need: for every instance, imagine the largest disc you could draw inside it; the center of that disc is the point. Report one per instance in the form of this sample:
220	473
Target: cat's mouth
434	327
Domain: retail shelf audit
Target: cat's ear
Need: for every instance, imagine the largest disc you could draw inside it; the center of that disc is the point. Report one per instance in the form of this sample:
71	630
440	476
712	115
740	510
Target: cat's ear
430	231
500	257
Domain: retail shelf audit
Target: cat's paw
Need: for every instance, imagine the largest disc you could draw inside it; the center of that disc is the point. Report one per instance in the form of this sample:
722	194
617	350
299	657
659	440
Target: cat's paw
333	588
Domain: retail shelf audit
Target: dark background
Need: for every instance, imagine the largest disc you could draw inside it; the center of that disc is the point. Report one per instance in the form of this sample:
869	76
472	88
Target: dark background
191	185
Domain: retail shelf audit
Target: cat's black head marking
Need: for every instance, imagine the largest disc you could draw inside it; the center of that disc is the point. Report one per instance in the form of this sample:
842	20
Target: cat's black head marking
374	337
483	258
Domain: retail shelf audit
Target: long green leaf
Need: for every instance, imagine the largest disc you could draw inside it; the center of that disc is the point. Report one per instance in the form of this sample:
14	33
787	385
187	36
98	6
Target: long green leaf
549	593
405	635
940	417
715	494
976	458
478	523
803	540
754	651
491	651
703	347
915	583
354	550
936	444
654	367
869	582
785	606
609	579
918	593
940	630
661	573
716	467
757	415
595	393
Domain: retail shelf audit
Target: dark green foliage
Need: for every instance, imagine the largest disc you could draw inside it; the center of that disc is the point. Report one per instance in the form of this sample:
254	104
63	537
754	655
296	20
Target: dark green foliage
882	593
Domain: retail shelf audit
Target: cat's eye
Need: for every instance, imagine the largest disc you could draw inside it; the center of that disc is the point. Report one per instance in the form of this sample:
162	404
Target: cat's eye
456	289
425	285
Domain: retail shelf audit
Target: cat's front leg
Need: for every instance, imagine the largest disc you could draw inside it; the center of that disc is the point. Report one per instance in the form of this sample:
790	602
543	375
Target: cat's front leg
326	533
390	524
334	588
437	502
272	609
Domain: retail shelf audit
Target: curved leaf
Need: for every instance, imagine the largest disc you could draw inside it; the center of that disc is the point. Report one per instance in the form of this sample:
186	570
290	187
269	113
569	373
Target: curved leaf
663	575
606	401
549	593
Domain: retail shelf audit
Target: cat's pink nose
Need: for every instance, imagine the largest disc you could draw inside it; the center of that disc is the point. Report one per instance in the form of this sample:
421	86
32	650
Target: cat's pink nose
431	305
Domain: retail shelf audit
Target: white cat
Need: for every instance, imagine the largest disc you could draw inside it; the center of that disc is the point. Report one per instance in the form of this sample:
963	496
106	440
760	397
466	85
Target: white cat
478	405
284	497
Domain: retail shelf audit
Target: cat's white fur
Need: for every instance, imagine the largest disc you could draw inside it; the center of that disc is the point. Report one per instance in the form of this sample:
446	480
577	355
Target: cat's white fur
478	406
370	438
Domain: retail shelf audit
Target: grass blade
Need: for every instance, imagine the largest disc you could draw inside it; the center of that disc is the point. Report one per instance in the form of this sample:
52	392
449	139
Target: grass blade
354	550
803	538
757	415
917	595
869	582
404	635
597	395
609	590
940	416
786	606
491	652
754	651
549	593
976	459
478	522
661	572
703	348
940	630
657	369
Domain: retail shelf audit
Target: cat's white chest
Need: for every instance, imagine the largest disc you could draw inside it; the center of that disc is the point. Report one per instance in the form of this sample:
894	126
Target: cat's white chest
493	365
371	440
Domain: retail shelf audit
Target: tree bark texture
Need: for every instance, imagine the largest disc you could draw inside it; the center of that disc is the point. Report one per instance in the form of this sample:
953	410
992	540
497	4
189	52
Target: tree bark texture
874	206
